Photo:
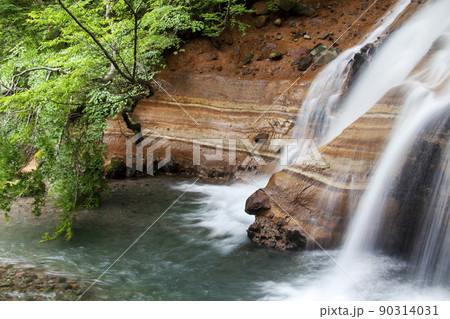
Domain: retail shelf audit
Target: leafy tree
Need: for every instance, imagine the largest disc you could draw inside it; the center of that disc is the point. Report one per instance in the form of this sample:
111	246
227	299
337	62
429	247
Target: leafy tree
66	67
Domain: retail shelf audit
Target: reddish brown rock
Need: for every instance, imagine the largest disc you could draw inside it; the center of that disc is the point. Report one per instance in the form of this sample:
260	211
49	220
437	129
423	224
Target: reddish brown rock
223	117
258	202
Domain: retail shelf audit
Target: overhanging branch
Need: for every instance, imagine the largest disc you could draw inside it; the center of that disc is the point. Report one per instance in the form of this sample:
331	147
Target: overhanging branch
136	26
105	52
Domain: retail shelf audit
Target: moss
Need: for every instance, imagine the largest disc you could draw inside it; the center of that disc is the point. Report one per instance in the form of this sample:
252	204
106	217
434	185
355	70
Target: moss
248	58
116	169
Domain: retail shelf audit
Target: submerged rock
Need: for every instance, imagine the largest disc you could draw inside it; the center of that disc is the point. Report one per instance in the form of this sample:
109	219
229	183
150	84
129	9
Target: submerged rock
19	282
359	61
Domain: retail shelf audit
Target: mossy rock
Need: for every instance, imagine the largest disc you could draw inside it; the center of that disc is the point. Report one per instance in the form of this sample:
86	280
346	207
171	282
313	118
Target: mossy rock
276	56
248	58
116	169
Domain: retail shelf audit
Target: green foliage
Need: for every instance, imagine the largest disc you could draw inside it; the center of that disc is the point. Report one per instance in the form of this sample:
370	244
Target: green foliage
272	6
67	66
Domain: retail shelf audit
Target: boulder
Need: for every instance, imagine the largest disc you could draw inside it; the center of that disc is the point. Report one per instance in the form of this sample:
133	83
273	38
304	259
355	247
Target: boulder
303	63
319	49
265	232
295	8
285	5
276	56
258	202
260	8
326	57
296	238
298	53
116	169
323	54
303	10
261	20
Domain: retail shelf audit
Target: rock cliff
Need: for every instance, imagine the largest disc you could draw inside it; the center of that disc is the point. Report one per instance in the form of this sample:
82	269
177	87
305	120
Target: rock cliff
231	96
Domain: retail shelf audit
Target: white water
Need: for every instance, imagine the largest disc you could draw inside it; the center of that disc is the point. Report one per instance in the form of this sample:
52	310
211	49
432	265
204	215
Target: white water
362	274
392	64
222	212
316	116
428	98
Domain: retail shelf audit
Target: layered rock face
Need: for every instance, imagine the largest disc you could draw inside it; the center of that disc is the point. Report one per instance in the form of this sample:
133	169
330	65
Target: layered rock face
223	101
220	97
215	126
313	201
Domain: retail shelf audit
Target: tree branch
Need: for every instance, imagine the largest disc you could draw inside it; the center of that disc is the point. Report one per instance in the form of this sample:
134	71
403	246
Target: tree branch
105	52
227	17
136	26
16	77
41	68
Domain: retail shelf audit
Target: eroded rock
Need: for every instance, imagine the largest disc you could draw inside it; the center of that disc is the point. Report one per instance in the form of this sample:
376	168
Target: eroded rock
265	232
257	203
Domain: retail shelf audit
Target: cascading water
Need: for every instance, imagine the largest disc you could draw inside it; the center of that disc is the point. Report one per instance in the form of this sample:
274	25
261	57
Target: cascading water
405	208
391	66
315	119
225	220
317	115
427	102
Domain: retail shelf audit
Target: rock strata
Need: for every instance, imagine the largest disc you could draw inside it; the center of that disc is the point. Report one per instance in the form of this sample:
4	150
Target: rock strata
315	201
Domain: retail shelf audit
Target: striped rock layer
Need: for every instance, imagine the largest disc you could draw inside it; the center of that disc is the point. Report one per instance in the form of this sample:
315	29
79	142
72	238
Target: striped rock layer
212	124
313	202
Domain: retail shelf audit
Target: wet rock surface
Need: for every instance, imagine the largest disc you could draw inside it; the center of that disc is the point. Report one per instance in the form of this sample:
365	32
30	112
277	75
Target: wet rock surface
257	203
360	61
24	283
265	232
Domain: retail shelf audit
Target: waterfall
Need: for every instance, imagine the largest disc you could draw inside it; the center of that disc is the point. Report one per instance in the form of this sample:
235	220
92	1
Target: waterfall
405	208
425	112
317	116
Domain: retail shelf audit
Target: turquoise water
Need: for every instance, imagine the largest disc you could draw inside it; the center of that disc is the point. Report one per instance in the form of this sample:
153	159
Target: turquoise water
177	259
198	250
